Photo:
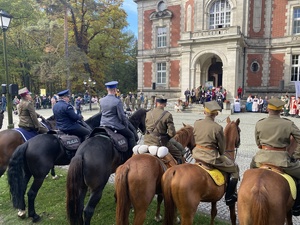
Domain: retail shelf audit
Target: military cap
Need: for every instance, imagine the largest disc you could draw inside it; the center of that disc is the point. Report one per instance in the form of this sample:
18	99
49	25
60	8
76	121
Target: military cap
24	91
111	84
275	104
161	99
63	93
212	107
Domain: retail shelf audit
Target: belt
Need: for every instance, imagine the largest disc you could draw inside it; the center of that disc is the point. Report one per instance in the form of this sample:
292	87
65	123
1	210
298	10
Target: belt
204	147
267	147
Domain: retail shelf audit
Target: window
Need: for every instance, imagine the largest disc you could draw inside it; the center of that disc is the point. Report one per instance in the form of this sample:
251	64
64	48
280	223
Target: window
296	21
161	6
254	66
295	73
219	15
161	73
161	37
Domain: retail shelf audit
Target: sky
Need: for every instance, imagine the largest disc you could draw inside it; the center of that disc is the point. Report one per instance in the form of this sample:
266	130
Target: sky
131	9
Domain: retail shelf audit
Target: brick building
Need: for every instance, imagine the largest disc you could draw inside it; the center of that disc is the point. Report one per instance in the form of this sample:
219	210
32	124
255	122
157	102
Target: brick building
183	44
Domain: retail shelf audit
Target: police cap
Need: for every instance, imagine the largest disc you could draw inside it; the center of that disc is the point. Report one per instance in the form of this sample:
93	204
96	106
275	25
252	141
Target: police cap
111	84
212	107
63	93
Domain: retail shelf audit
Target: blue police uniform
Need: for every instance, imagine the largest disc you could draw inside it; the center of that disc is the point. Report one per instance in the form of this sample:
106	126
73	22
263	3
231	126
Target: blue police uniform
113	115
67	119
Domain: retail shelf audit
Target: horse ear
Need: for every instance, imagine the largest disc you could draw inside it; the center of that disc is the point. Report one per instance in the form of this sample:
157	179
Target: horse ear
184	124
238	121
228	119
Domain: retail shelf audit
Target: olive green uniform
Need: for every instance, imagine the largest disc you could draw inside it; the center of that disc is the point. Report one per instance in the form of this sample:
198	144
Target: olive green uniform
164	126
275	132
28	117
210	135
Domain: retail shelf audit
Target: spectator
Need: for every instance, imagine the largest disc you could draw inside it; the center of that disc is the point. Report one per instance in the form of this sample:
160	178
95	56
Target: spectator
240	92
187	95
78	103
4	102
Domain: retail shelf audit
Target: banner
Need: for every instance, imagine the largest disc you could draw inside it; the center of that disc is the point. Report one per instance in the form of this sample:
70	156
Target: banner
297	88
43	92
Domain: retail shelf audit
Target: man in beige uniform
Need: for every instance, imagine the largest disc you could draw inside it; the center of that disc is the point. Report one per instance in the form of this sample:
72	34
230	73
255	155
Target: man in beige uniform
27	115
164	126
210	148
272	136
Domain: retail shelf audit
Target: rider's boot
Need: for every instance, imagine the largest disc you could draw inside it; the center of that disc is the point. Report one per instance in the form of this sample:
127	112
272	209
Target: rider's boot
296	207
231	194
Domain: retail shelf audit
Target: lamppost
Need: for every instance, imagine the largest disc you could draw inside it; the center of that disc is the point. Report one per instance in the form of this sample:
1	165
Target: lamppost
88	84
5	19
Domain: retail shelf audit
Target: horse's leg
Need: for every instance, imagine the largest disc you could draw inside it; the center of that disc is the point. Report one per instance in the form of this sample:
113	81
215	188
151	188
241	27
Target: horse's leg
289	220
32	193
54	176
92	203
213	212
21	210
158	216
232	214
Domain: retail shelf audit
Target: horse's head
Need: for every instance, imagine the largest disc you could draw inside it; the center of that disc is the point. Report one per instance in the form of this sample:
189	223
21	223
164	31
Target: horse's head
232	134
94	121
185	136
138	120
50	122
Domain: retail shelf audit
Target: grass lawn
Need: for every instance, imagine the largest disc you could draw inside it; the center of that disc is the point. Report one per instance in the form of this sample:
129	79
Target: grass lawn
50	205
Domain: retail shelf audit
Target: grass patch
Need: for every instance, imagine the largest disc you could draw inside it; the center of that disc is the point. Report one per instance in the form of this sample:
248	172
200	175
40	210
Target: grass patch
50	205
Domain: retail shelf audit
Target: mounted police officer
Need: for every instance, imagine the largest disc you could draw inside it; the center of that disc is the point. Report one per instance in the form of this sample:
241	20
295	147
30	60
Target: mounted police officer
158	125
113	114
28	118
210	148
66	119
272	136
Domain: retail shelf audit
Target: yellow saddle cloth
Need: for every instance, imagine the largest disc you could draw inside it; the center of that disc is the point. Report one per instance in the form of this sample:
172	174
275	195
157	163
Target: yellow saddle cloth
288	178
215	174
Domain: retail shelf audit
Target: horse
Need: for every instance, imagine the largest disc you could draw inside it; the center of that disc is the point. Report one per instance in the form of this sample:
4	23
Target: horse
185	185
35	158
94	162
10	139
139	179
264	197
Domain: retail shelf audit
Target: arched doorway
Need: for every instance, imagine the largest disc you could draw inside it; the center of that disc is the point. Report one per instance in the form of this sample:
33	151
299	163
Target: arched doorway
215	73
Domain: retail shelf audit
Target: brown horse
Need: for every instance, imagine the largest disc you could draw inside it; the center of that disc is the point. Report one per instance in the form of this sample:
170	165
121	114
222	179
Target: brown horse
139	179
10	139
185	186
264	199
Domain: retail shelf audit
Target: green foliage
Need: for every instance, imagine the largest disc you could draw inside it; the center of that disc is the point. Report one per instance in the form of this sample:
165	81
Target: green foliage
50	204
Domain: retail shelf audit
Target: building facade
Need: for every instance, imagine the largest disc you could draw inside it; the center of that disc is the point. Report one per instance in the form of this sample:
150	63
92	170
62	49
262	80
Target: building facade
184	44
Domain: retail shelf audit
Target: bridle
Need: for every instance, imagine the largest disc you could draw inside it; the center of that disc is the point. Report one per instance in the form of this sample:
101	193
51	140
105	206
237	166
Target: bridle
237	145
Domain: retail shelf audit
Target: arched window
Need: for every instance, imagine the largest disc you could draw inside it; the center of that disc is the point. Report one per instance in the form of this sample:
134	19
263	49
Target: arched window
219	14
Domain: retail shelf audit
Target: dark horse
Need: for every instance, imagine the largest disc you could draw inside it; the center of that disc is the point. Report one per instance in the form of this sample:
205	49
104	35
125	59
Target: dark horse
186	185
10	139
139	179
95	160
35	158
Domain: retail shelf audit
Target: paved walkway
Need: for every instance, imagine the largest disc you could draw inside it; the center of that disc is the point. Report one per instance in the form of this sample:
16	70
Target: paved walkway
245	152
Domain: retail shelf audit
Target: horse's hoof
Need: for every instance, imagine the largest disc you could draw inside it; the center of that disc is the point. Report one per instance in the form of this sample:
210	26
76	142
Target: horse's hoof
177	220
158	218
36	218
21	214
55	177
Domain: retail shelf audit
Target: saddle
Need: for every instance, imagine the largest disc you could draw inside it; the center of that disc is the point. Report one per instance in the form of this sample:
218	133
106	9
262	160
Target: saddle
279	170
118	140
217	176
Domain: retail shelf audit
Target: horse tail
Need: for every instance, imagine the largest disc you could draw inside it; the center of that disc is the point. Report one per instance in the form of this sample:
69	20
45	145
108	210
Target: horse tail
16	176
260	206
74	185
168	198
123	200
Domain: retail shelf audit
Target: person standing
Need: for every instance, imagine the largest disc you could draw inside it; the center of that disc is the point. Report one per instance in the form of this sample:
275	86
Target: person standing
146	102
240	92
272	136
113	114
159	124
78	103
66	119
28	118
187	95
4	102
210	148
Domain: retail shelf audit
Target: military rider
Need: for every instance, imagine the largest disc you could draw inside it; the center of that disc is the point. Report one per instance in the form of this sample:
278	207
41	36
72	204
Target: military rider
165	126
66	119
210	148
113	114
272	136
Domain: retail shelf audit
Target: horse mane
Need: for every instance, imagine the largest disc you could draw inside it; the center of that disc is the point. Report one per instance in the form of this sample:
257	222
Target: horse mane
185	136
137	117
94	121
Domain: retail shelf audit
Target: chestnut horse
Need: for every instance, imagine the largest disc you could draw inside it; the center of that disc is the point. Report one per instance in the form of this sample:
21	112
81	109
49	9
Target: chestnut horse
185	186
264	198
10	139
139	179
